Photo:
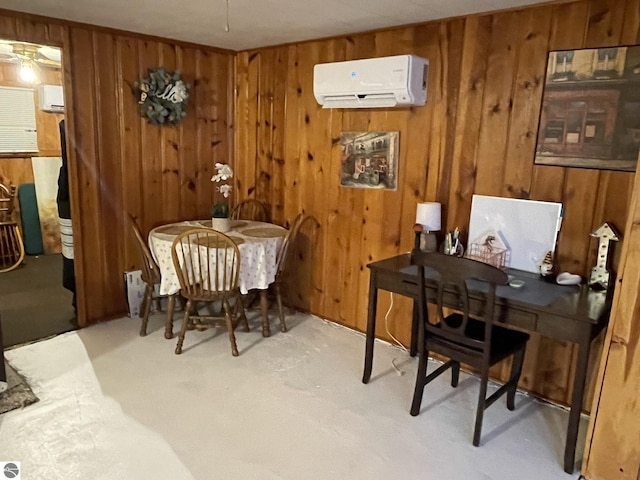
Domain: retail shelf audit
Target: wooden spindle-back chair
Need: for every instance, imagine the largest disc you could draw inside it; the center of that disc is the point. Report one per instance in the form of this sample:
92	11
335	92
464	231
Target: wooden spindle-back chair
207	264
250	209
11	246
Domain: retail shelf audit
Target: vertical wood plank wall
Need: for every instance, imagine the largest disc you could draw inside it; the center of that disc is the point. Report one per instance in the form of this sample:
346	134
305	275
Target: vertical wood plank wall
120	163
476	134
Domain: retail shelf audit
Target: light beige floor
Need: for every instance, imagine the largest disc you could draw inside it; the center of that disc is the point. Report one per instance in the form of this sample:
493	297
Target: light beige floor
118	406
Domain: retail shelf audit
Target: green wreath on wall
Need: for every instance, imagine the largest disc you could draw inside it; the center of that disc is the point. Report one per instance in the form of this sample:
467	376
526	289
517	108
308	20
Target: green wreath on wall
162	97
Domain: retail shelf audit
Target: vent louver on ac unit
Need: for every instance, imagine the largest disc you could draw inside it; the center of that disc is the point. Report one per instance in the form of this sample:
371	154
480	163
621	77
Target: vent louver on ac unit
17	121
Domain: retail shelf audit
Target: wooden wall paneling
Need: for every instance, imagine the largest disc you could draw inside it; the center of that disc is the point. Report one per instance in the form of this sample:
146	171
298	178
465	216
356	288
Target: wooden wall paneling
188	137
323	161
8	27
84	179
277	147
264	138
107	121
126	52
606	21
533	31
150	143
477	34
204	189
169	146
250	105
631	28
221	143
496	104
612	449
313	152
243	109
14	171
351	205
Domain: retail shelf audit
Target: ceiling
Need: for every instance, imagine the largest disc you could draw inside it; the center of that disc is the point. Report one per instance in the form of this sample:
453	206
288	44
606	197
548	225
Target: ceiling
254	23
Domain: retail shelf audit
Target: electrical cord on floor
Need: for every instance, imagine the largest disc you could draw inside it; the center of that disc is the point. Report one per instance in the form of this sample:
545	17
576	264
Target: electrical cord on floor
386	326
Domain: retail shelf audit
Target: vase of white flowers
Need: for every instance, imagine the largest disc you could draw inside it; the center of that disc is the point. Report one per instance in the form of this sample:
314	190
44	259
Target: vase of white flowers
220	211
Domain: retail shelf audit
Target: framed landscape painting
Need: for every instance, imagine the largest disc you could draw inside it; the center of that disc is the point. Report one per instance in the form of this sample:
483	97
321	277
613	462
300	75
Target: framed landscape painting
590	114
369	160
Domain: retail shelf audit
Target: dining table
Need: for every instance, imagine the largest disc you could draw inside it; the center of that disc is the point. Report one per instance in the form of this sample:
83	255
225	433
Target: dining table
257	242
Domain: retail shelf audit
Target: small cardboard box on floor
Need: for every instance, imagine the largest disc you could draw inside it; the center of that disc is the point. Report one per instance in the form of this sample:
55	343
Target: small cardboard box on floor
135	293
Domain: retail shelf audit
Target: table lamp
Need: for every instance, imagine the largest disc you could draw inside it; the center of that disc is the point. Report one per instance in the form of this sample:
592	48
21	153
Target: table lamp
428	220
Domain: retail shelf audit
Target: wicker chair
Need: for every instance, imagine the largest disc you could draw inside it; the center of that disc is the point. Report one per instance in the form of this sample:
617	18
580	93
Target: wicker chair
304	226
151	277
207	263
250	209
11	246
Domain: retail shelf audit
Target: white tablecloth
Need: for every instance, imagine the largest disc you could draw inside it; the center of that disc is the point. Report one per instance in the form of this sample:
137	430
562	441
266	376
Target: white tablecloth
258	251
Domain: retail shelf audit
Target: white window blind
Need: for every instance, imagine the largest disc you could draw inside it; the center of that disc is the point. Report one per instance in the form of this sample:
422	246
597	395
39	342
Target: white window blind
17	121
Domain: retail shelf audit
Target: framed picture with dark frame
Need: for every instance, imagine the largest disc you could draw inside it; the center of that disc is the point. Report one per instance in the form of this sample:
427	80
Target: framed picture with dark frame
369	160
590	115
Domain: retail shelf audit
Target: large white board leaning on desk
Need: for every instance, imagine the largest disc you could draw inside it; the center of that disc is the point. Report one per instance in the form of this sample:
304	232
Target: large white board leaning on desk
528	228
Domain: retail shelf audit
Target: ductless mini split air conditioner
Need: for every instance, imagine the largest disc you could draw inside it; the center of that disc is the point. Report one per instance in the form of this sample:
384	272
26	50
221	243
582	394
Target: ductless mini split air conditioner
396	81
51	98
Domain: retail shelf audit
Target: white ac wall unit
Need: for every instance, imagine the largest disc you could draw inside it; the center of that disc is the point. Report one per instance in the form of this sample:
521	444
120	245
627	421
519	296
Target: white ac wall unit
396	81
51	98
17	121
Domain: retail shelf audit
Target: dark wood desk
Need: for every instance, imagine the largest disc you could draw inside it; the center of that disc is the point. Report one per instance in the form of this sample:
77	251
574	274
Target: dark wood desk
573	314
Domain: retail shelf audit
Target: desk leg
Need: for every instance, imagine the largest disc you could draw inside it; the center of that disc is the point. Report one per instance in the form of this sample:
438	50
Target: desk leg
415	321
576	405
264	306
371	327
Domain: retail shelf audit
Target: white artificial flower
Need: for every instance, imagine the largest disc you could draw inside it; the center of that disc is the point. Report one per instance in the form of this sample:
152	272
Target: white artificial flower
224	172
180	92
225	190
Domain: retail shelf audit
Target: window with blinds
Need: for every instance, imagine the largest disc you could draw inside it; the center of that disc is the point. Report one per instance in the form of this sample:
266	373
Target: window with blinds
17	121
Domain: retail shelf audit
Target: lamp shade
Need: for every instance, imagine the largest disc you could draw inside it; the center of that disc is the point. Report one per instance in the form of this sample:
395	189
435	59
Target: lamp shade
428	214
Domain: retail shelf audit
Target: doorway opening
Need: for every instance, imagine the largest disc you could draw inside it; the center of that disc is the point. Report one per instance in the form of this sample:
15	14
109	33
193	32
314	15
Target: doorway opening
37	297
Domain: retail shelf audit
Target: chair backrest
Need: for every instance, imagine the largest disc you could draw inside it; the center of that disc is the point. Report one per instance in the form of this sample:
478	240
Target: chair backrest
207	263
7	202
291	241
250	209
150	269
453	275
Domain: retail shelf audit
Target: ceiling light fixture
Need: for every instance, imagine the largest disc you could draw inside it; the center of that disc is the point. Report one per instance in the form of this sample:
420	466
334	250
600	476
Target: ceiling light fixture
27	74
26	53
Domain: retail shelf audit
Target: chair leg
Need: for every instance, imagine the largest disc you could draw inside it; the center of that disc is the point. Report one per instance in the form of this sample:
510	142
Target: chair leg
168	328
283	325
232	336
455	374
183	329
241	315
146	308
480	409
420	383
516	370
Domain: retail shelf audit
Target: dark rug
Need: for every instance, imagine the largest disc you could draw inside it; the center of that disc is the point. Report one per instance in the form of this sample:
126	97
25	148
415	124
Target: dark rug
18	393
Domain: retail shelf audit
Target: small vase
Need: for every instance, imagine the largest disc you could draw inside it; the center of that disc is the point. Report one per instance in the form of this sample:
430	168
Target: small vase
221	224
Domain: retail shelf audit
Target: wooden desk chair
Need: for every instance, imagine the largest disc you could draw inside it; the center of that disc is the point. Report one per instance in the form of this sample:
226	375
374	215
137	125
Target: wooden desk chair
250	209
151	277
461	338
207	263
11	246
304	226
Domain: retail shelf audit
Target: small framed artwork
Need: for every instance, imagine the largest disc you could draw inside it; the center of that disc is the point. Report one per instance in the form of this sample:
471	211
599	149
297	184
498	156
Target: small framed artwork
590	115
369	160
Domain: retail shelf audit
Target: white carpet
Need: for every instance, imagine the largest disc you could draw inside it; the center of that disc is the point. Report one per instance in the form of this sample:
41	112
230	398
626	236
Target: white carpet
114	405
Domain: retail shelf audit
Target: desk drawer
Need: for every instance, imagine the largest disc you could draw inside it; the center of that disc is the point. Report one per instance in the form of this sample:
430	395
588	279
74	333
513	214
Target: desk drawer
397	284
